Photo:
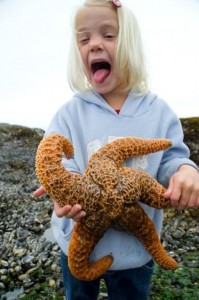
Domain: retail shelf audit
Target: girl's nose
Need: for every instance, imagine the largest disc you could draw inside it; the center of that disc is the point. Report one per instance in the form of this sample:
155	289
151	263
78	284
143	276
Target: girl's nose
96	44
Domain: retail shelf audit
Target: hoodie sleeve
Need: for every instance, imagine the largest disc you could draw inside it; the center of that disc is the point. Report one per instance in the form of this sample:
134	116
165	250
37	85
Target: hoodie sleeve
62	227
177	155
59	125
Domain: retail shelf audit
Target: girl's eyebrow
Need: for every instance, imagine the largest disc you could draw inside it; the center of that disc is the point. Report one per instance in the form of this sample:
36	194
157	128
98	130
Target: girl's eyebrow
83	30
103	26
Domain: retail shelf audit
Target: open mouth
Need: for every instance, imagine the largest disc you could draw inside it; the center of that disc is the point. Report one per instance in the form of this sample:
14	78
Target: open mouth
100	70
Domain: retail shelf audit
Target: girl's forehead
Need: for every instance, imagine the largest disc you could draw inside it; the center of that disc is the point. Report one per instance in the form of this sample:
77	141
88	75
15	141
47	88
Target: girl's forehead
90	17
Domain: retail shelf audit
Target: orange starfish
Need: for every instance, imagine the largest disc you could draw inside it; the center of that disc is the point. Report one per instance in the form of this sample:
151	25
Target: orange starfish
109	194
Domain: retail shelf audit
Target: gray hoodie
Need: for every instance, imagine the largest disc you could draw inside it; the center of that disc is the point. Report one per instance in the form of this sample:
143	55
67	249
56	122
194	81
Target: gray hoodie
89	122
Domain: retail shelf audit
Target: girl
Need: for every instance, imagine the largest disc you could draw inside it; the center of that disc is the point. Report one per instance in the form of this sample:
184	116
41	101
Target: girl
106	67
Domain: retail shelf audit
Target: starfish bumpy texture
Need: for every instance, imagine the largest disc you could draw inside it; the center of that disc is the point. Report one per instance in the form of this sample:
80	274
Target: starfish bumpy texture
109	193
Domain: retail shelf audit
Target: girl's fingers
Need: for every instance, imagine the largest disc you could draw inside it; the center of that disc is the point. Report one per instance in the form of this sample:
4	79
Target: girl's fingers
39	192
75	212
61	211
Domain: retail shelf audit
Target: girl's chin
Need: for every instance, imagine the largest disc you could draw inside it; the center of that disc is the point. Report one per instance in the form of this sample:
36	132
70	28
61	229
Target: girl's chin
101	86
102	89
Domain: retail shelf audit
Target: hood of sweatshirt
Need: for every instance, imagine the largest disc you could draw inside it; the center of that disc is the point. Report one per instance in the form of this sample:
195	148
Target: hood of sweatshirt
134	105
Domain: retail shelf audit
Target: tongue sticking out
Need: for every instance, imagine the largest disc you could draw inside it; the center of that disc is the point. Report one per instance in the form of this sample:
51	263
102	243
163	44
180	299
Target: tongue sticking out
100	75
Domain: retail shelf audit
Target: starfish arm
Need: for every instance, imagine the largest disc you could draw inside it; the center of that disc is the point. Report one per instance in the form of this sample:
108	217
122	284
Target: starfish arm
136	185
121	149
80	248
135	221
152	192
62	186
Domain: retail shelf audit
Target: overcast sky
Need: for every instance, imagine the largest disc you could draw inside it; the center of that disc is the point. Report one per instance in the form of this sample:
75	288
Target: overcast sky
34	40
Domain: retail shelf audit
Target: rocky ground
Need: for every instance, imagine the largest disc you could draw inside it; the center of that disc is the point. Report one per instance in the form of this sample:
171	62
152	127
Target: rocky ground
31	263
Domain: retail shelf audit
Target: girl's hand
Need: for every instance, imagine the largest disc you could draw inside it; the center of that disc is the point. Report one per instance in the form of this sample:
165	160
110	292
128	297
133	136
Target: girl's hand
75	212
39	192
183	190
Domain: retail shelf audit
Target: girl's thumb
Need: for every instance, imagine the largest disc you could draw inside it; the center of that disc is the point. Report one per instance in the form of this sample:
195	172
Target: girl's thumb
168	193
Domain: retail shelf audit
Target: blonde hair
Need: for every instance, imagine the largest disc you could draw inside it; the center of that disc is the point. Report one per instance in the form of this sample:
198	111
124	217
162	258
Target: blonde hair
129	52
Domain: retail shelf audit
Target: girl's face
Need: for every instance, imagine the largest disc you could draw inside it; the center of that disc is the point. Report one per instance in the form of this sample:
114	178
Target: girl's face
97	31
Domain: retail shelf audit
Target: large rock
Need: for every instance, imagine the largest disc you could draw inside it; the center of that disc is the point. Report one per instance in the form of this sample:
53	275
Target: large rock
191	136
18	146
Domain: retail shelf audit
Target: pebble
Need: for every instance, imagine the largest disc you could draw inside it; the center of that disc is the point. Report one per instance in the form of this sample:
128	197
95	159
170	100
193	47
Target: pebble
52	283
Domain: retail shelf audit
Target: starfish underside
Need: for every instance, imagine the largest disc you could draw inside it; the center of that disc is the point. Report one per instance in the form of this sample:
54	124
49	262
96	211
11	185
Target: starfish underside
109	193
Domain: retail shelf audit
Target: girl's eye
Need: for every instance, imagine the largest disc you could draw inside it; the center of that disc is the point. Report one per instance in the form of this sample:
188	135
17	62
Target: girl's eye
83	40
109	36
